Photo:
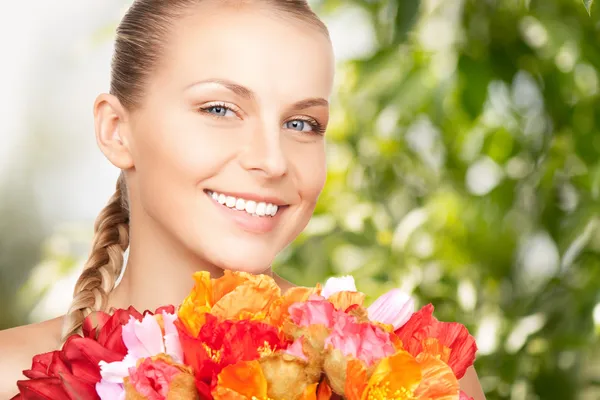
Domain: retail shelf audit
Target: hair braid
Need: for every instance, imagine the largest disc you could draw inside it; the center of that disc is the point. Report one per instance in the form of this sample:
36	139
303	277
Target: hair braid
105	263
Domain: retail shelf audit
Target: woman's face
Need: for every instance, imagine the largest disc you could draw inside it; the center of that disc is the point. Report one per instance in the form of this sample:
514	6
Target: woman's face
228	147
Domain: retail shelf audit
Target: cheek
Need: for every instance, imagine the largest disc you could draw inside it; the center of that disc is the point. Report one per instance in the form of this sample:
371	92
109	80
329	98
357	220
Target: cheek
173	155
310	171
178	148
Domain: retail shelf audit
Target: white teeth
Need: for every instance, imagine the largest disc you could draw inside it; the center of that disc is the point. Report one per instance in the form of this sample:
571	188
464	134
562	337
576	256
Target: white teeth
251	207
230	202
240	204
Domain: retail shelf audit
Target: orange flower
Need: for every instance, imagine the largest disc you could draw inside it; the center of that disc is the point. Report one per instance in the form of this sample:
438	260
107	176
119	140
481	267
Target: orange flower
454	336
344	300
317	391
402	377
438	382
246	380
199	302
241	381
240	295
279	310
235	295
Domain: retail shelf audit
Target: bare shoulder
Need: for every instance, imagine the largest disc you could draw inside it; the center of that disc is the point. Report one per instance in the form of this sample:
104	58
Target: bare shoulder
471	386
19	345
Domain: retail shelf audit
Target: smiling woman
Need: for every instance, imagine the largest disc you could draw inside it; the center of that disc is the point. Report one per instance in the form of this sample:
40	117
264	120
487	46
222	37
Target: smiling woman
216	118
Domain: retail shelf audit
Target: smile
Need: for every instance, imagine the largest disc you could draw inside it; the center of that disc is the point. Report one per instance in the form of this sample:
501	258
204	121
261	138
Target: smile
255	209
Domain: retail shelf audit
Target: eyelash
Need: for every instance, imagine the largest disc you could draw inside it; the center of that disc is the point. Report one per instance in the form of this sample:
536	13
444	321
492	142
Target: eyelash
317	128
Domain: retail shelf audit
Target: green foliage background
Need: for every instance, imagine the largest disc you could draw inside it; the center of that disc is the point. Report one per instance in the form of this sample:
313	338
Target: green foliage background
516	90
463	167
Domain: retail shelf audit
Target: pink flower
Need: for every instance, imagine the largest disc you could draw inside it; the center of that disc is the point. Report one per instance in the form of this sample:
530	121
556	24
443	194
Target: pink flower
152	379
143	339
368	343
393	308
315	311
296	350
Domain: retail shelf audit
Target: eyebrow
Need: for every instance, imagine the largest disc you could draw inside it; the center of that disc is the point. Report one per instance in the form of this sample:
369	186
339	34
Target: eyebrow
250	95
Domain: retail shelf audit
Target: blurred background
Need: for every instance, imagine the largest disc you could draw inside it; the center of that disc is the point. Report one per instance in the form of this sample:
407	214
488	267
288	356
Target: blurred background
464	167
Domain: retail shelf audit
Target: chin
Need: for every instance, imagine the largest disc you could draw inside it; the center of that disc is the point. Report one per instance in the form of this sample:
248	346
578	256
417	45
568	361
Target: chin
243	257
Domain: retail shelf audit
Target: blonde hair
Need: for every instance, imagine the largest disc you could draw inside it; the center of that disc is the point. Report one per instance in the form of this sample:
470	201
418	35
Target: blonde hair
140	40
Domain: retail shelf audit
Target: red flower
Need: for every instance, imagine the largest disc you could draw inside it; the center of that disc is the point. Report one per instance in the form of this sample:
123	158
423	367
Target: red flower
70	373
73	371
223	343
456	337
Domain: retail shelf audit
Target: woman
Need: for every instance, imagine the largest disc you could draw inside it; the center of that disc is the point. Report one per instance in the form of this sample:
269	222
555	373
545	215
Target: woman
216	118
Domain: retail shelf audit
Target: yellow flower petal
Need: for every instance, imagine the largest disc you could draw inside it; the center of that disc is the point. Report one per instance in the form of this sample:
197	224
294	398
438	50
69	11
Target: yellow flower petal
343	300
395	378
193	309
287	376
310	393
254	296
278	311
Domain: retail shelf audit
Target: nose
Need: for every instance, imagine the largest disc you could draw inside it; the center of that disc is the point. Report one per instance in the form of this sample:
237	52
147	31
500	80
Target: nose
263	153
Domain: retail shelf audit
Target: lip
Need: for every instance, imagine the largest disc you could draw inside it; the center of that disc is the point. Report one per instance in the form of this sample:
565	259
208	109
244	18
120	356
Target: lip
247	222
277	201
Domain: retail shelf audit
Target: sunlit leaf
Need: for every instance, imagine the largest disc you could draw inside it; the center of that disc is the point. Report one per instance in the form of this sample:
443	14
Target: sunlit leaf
588	5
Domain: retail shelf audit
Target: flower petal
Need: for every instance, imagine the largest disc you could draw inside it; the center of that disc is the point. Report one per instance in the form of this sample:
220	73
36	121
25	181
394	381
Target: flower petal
192	311
150	335
253	298
279	310
110	391
310	393
312	312
438	381
356	380
393	308
423	325
399	373
42	389
338	284
132	342
296	349
244	378
116	372
172	342
324	391
346	299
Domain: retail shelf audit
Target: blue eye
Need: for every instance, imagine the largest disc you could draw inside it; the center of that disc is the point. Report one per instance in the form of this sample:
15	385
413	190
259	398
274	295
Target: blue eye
299	125
220	111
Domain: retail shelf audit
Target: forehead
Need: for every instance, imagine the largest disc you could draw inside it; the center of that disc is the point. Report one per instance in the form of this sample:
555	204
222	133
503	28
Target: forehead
270	53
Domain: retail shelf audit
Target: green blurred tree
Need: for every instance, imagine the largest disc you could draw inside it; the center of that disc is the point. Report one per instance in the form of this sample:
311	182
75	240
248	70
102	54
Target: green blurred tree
464	167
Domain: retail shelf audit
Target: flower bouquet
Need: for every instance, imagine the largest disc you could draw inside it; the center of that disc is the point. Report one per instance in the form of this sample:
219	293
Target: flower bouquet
238	337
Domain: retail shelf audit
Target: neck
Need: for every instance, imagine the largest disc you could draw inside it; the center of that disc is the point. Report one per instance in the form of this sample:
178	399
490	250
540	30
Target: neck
159	269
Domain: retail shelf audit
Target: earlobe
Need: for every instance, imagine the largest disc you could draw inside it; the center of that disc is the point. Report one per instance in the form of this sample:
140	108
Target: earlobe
112	131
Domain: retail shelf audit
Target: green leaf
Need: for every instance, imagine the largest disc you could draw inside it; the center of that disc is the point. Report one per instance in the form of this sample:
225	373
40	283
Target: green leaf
588	5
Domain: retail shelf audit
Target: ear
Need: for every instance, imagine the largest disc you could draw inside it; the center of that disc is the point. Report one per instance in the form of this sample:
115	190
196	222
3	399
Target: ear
110	122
